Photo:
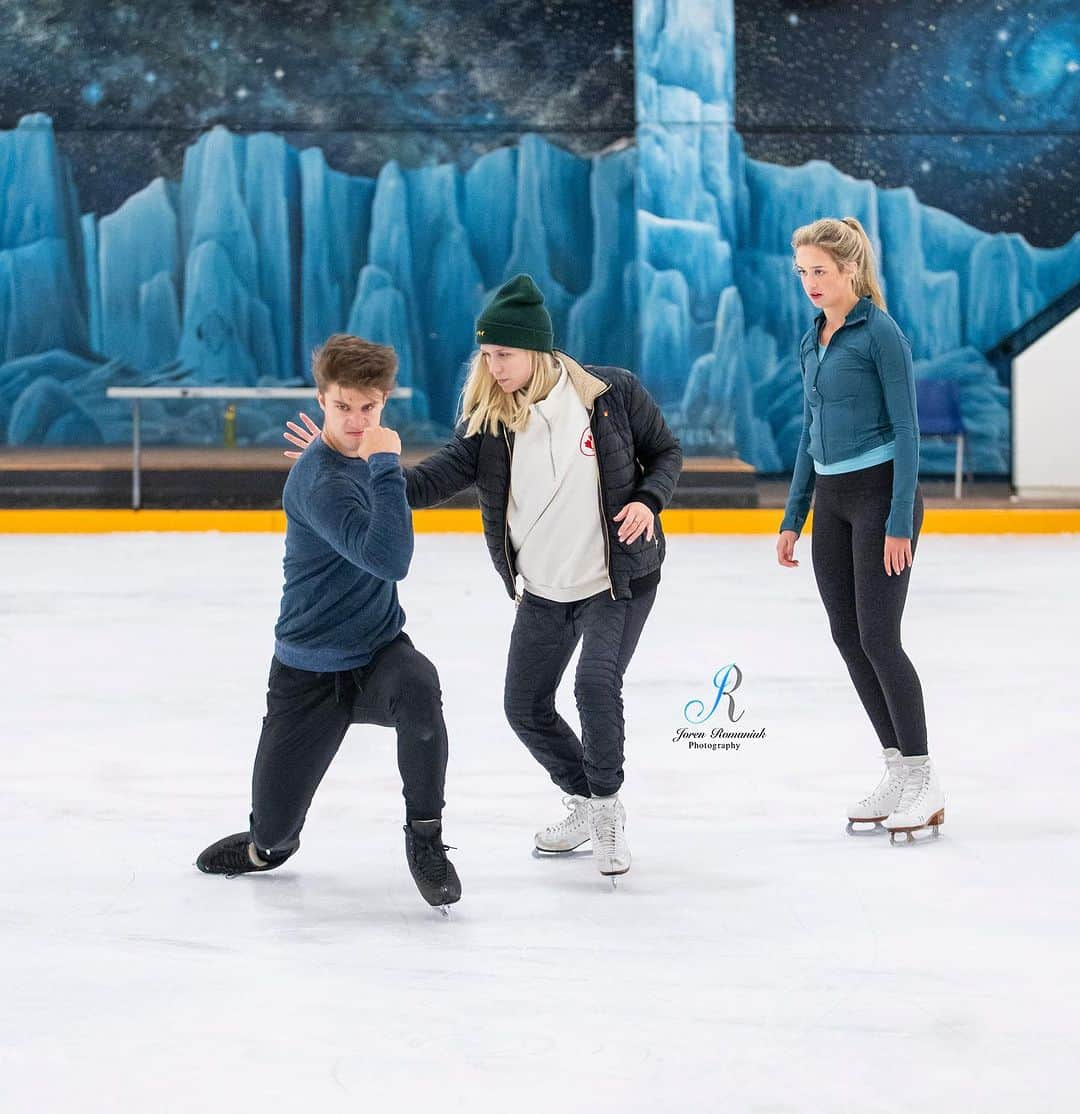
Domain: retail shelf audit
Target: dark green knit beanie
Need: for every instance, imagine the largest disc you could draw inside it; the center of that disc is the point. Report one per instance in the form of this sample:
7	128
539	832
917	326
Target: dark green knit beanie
516	317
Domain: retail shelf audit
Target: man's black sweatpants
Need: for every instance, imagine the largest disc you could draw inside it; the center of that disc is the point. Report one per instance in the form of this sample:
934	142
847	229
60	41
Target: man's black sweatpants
307	715
543	640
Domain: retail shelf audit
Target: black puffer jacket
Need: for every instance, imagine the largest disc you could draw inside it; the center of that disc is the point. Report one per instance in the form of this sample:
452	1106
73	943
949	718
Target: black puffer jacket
639	459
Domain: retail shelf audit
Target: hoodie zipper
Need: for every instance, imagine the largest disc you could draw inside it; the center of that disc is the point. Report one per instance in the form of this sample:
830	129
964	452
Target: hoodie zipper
821	360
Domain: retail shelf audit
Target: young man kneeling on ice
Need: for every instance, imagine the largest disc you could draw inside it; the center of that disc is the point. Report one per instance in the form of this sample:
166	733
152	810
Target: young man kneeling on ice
341	655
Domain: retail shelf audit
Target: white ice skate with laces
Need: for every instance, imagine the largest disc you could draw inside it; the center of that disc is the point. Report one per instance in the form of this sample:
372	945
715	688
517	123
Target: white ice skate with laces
607	829
921	805
874	808
568	833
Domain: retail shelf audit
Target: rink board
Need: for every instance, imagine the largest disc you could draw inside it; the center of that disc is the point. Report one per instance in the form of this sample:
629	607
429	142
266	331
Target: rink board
938	520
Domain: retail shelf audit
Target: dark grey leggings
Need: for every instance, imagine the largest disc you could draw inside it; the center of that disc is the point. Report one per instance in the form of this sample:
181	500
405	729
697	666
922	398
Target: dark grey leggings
864	604
543	640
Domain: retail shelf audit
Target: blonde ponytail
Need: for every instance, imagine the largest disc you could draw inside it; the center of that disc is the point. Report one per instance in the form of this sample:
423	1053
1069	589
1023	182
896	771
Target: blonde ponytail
847	242
866	280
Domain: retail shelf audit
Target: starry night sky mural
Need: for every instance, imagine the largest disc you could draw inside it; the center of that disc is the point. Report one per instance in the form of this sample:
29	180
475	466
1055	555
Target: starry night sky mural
973	103
130	86
976	104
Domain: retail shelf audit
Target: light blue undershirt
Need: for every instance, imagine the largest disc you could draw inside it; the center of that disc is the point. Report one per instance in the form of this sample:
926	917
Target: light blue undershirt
877	455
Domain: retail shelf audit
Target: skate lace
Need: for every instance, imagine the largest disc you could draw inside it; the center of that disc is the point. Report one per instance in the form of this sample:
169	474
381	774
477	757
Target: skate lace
431	858
571	820
233	858
883	788
914	788
603	834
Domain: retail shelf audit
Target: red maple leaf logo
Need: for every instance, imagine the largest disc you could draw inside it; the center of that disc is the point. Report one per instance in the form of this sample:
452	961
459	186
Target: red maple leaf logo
586	445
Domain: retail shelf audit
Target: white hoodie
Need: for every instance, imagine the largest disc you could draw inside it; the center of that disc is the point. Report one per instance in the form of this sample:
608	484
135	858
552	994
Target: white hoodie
554	512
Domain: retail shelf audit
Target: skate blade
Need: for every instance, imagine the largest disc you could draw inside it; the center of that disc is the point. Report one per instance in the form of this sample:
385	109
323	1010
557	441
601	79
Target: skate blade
933	825
573	853
613	875
444	911
877	829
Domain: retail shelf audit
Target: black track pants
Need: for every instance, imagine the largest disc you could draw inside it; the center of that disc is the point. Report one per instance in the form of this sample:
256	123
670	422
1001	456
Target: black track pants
307	715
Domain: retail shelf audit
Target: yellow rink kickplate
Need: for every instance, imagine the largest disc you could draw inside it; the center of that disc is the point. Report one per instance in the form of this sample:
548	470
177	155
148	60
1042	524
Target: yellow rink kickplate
942	520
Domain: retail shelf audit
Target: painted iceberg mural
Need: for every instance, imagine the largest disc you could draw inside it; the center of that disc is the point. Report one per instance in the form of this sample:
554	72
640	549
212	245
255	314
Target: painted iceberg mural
667	254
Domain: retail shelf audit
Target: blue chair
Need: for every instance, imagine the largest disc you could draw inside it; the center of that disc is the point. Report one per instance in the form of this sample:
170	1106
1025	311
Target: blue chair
938	401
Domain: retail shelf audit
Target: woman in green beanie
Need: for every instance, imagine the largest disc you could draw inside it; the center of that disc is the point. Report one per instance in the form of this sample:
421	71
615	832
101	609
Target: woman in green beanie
572	464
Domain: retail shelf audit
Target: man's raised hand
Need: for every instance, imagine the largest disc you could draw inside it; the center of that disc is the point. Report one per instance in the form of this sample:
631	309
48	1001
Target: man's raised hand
379	439
300	437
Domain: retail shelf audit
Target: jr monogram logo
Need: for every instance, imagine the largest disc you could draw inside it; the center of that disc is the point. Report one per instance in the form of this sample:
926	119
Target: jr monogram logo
695	709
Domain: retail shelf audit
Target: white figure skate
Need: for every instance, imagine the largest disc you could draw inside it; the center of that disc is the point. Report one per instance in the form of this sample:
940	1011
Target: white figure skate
921	805
607	829
876	807
568	833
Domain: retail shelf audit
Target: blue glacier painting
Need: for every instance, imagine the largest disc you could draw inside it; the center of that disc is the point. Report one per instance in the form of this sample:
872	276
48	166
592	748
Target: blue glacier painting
666	251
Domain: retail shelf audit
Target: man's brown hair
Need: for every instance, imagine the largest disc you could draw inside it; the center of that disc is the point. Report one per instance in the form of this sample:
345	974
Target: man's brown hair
354	364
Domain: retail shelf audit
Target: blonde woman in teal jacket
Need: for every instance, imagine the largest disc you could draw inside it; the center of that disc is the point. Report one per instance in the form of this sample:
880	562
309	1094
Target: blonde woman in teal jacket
859	451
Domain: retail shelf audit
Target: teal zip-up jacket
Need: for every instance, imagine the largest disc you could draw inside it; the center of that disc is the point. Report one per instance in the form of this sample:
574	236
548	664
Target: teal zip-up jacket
859	396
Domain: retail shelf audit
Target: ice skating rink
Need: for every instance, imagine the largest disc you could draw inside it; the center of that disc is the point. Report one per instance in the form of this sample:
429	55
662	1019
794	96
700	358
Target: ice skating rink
756	958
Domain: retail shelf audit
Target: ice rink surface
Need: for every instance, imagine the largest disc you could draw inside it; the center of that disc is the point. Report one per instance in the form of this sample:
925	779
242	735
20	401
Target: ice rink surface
756	958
